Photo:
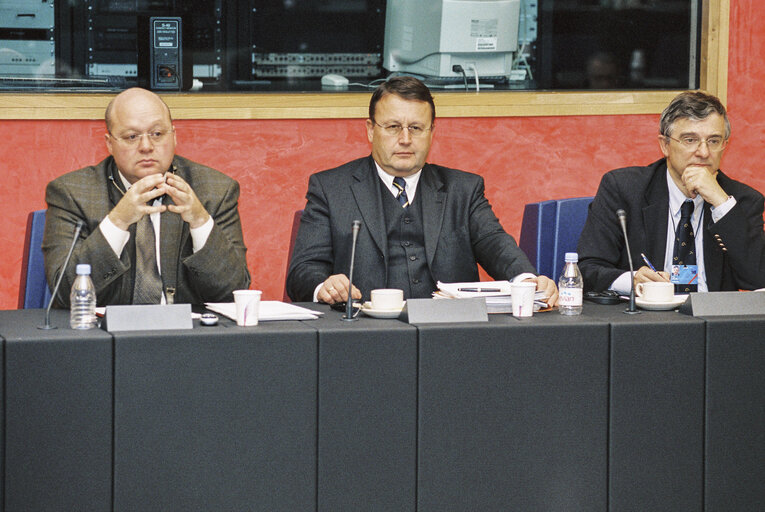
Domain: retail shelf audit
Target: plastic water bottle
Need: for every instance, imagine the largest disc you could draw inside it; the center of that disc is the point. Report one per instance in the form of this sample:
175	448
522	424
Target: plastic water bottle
570	287
82	300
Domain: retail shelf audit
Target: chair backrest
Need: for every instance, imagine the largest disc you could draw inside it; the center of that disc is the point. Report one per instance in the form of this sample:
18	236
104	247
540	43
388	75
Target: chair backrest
33	287
550	229
293	235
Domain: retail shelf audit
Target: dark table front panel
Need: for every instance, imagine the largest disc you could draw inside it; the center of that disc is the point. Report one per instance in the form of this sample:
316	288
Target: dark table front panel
58	414
367	414
513	415
656	410
735	414
216	418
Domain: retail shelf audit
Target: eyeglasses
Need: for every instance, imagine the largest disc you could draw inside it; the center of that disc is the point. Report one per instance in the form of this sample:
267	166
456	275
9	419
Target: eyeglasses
394	129
133	139
692	143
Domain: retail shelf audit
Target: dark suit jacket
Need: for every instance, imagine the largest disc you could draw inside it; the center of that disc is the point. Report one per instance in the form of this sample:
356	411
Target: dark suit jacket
89	194
734	247
460	230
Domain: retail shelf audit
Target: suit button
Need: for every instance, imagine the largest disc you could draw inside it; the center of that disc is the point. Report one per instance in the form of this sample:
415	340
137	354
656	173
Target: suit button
407	220
406	244
416	281
413	258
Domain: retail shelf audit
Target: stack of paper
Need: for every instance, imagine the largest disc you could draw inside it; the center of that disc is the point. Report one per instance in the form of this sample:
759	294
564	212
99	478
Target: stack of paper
497	294
269	310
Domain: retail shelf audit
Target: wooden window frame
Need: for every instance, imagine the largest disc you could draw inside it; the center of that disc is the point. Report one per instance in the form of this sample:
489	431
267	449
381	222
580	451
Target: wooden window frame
713	79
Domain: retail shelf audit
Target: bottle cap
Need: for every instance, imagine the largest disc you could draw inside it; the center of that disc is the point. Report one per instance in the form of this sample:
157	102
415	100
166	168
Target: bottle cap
83	269
572	257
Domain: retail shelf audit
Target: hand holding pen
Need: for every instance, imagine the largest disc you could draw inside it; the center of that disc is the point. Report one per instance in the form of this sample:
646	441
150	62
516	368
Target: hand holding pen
649	273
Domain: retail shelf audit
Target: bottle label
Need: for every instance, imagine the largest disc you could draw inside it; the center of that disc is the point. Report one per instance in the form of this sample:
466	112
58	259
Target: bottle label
570	297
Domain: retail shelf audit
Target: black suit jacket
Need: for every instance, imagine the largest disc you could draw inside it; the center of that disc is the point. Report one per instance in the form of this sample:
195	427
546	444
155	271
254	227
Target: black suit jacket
460	230
209	275
734	247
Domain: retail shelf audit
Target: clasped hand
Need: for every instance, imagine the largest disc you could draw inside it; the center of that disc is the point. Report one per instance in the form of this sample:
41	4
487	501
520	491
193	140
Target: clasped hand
138	200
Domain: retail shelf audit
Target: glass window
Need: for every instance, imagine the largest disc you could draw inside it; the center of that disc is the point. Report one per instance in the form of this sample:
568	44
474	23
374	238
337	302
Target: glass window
290	45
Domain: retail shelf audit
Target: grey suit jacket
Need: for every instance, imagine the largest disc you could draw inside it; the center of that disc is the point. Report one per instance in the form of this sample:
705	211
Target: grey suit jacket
89	194
460	230
734	247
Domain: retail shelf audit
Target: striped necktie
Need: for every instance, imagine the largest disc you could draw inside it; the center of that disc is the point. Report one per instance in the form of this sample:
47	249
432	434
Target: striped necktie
400	184
147	288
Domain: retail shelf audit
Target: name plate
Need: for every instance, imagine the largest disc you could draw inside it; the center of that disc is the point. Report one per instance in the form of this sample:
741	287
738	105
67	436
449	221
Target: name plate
437	311
724	304
148	317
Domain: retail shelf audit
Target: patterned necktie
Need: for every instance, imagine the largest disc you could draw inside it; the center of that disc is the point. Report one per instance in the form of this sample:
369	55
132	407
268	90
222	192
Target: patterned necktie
400	184
685	242
148	283
685	245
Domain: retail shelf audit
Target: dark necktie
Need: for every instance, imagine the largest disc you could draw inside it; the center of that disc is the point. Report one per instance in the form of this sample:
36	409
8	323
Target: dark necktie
148	283
685	244
400	184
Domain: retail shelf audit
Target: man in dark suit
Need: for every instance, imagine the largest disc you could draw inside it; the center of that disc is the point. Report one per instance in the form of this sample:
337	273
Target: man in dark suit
421	223
141	202
721	240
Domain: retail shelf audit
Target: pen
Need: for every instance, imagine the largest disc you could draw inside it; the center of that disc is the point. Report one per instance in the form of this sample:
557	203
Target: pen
478	290
647	262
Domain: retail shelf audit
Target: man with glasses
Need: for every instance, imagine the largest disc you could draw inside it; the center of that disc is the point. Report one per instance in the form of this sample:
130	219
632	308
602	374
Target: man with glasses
157	228
421	223
695	226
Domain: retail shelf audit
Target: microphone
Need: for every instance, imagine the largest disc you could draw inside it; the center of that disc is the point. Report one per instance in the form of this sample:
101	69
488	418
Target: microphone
632	310
349	303
47	324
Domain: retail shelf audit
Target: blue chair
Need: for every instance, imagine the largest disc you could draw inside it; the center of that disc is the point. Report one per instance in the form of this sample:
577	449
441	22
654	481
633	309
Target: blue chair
33	287
550	229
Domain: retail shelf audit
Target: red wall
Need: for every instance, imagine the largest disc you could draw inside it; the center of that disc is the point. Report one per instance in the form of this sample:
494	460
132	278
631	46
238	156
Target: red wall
522	159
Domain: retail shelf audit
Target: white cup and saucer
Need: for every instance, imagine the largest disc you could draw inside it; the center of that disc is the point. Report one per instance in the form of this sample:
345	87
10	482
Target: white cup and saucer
657	296
385	303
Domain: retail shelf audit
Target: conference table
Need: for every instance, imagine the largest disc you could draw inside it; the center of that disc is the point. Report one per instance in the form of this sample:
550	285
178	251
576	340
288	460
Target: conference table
605	411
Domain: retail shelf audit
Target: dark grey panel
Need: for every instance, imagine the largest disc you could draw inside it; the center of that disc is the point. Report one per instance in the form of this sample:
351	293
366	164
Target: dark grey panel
367	414
735	434
58	414
656	411
513	415
217	418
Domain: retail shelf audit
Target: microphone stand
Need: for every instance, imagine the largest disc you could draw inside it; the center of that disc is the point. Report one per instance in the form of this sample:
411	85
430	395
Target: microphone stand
632	310
47	324
349	317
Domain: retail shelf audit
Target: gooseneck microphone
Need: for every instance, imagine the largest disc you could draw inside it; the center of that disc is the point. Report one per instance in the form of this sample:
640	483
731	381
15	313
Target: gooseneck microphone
47	324
349	302
632	310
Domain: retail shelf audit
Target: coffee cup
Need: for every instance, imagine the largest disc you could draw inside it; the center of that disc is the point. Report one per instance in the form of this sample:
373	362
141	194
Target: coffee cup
387	298
655	291
523	298
247	306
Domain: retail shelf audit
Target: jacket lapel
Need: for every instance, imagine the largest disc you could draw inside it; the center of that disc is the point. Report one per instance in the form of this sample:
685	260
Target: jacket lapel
433	201
655	214
366	192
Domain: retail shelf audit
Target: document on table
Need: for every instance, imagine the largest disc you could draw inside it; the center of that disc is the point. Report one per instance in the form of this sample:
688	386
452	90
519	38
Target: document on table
497	294
269	310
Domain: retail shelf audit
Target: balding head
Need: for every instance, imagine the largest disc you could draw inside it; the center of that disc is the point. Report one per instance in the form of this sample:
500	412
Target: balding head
128	97
140	134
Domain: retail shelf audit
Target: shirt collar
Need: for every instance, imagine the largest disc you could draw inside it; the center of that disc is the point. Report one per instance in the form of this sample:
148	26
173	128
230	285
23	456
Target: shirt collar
411	181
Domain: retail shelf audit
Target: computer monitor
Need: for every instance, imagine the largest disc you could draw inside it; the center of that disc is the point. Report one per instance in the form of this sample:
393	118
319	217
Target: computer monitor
430	37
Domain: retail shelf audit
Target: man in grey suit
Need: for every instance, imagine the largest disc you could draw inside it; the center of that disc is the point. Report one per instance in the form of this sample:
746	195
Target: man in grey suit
143	199
725	224
421	223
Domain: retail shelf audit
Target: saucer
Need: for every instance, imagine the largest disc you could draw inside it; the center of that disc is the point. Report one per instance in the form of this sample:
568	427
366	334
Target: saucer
381	313
660	306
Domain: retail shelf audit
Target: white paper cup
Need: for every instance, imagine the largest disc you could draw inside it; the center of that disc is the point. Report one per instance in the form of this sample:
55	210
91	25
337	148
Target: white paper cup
387	298
523	298
655	291
247	306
